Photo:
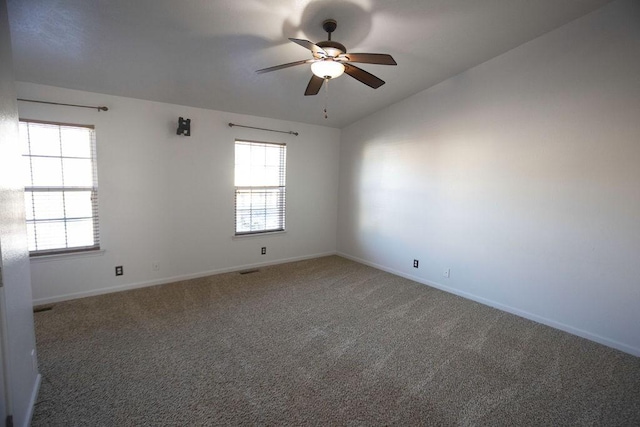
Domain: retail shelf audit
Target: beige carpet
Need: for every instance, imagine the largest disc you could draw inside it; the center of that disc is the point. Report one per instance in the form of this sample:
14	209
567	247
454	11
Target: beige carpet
319	342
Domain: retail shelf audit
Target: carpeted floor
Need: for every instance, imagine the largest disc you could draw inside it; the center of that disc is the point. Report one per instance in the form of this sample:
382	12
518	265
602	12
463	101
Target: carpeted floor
319	342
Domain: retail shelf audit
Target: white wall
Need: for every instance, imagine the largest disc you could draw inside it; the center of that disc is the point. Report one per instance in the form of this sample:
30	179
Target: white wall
521	175
18	370
169	198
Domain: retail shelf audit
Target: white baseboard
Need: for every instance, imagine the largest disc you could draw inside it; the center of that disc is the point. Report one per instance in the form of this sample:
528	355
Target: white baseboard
518	312
32	400
120	288
527	315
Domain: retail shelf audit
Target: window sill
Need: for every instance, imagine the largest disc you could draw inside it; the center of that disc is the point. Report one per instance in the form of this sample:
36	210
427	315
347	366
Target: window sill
248	236
71	255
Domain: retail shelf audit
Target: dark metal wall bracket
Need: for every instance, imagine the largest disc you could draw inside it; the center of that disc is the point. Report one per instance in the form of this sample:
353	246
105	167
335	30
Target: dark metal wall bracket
184	127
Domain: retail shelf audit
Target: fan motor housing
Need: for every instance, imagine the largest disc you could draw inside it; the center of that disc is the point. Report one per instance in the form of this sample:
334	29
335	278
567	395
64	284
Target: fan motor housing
332	45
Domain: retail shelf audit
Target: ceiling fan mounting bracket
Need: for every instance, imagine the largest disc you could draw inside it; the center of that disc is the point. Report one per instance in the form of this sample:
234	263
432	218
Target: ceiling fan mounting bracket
329	25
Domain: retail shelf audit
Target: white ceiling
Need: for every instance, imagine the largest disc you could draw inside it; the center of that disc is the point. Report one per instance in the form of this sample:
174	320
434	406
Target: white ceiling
204	53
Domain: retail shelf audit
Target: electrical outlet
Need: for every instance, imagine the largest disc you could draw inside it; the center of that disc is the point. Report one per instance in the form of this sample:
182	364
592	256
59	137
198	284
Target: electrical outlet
447	273
264	250
155	266
415	263
119	271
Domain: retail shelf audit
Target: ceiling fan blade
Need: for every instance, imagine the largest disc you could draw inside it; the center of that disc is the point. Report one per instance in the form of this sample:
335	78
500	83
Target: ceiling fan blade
317	50
280	67
314	85
371	58
363	76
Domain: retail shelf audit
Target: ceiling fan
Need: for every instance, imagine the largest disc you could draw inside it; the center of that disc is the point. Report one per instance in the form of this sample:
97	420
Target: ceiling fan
330	60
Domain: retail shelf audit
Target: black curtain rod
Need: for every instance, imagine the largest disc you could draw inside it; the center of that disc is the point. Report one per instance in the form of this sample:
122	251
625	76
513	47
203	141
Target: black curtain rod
67	105
290	132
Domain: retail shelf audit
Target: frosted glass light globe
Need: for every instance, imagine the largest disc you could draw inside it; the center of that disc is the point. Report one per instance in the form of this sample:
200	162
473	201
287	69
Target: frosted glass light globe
327	69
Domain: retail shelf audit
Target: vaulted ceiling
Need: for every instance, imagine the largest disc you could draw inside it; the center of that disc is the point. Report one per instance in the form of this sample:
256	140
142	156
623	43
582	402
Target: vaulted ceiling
204	53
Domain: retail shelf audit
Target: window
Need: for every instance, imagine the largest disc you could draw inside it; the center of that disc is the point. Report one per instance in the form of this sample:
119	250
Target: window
260	187
61	187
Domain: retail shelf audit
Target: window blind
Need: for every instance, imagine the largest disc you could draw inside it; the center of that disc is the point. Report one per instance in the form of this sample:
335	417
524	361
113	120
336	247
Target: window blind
61	187
260	190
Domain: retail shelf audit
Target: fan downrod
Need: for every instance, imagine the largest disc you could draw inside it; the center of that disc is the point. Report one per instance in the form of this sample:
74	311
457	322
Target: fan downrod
329	26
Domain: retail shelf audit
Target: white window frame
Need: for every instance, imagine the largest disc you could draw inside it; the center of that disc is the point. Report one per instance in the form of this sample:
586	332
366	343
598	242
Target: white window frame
259	210
64	189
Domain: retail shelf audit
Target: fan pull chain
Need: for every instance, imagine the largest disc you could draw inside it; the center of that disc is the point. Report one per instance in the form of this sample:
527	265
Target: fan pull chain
326	98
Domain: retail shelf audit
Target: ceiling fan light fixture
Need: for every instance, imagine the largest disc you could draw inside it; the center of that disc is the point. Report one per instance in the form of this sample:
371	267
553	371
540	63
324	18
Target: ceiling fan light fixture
330	60
327	69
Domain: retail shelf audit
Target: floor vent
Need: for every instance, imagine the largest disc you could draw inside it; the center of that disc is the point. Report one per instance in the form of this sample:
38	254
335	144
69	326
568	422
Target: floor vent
255	270
41	308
